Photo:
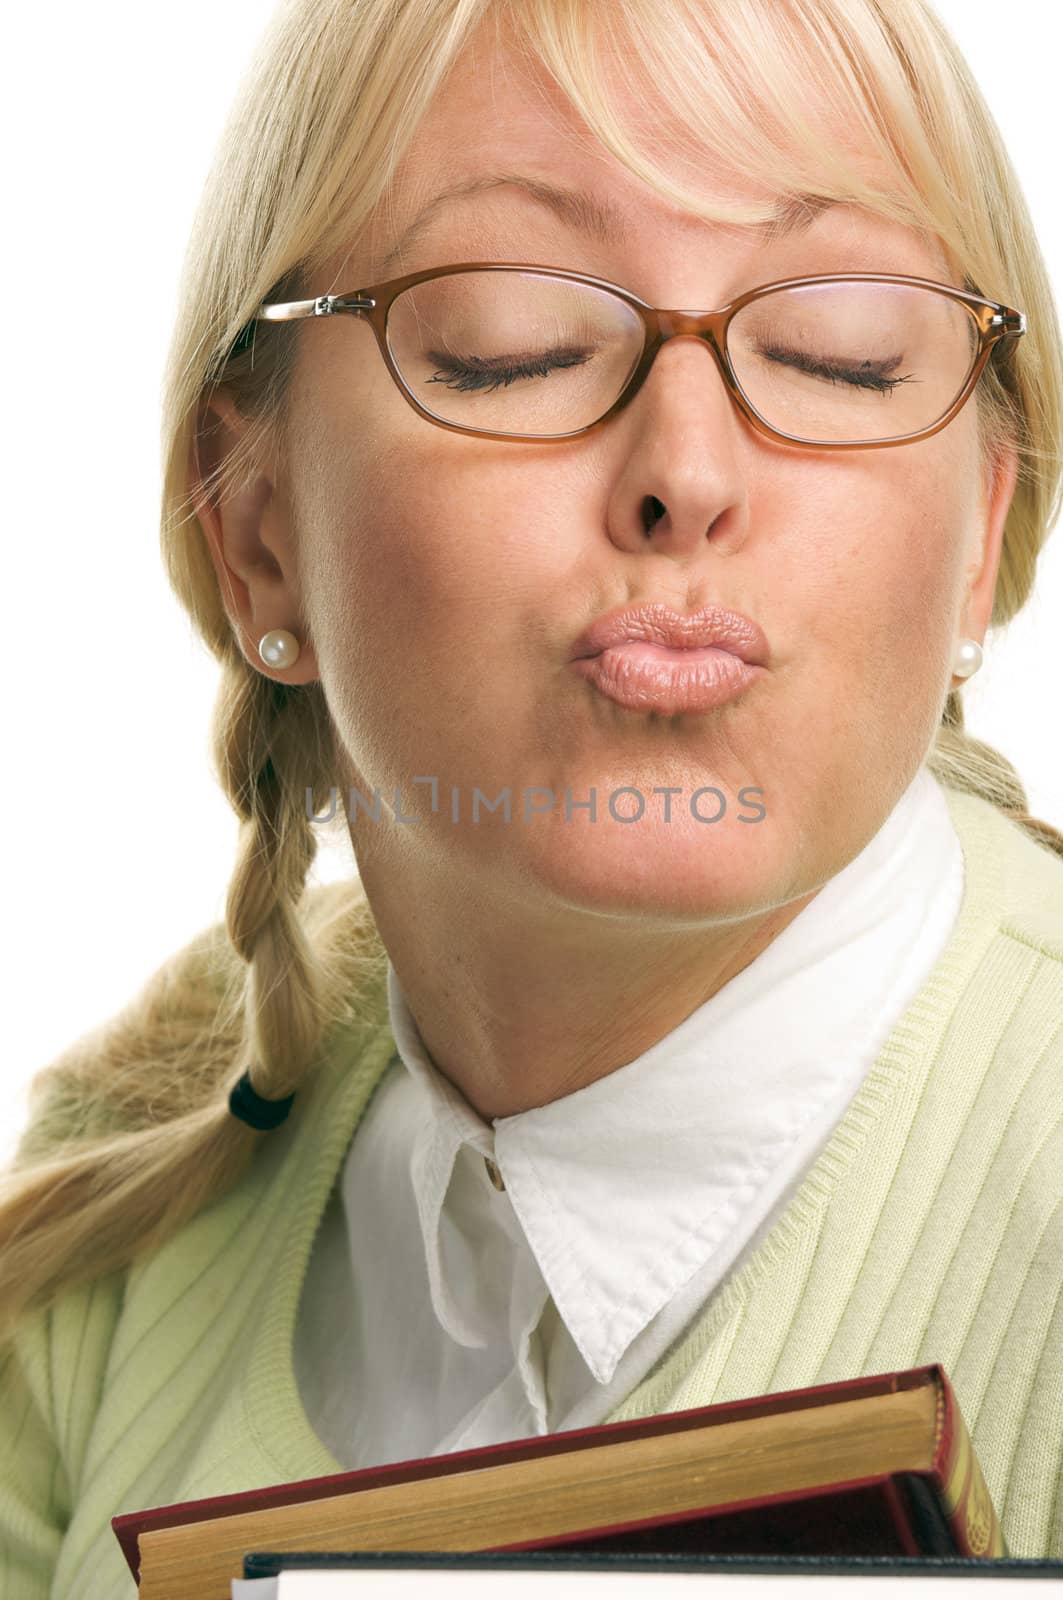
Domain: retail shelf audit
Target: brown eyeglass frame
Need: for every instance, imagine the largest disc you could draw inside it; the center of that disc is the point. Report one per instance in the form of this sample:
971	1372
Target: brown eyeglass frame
993	321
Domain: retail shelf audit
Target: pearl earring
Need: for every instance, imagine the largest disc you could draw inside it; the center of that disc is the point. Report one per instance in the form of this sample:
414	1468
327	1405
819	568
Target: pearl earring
278	648
968	658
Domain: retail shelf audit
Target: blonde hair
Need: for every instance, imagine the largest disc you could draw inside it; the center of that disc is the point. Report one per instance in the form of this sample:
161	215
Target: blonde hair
132	1133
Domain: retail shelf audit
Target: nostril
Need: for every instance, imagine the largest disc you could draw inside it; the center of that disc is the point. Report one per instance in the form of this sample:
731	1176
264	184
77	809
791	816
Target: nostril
652	511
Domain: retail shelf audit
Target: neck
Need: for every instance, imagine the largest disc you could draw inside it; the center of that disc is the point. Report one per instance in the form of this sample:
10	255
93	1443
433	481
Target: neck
518	1007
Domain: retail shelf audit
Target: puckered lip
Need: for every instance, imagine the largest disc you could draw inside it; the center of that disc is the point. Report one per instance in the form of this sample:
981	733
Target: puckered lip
655	622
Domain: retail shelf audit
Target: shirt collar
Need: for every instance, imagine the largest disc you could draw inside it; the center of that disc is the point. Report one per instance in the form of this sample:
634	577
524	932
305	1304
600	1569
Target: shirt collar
625	1188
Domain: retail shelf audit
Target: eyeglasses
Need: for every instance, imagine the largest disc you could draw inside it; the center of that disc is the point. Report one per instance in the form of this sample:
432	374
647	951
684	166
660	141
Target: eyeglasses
526	352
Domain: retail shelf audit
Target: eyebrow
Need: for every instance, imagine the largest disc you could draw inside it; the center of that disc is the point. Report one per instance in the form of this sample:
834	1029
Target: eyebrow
601	220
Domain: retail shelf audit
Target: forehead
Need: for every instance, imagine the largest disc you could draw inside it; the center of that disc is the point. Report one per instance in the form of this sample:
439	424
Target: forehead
499	110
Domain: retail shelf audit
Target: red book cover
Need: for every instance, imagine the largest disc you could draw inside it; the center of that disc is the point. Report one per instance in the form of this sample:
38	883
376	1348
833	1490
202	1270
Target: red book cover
945	1510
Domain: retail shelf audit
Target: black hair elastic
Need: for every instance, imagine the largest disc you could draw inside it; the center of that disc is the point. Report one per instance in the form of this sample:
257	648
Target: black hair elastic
247	1104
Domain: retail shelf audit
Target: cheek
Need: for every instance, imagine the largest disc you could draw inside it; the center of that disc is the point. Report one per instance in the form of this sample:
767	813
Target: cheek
920	570
404	566
414	557
430	537
860	570
877	568
364	545
397	513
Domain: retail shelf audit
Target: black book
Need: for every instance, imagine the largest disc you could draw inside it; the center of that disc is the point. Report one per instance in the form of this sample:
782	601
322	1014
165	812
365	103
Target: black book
268	1564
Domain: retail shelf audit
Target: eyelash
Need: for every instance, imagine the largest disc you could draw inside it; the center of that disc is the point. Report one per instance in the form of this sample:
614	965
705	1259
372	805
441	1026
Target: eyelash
857	377
474	372
475	376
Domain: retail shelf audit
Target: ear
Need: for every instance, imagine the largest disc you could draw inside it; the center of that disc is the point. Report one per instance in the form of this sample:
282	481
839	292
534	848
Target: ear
250	538
998	482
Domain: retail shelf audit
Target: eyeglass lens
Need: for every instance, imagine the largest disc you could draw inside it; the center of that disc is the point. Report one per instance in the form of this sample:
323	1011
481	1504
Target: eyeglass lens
527	353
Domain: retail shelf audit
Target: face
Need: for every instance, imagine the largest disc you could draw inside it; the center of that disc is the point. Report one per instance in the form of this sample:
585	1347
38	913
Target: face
445	578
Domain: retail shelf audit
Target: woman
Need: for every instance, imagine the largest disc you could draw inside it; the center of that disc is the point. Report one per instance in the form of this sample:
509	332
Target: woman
723	1057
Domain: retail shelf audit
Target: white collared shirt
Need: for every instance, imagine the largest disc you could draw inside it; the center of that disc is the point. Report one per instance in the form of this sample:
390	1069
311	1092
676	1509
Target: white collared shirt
440	1312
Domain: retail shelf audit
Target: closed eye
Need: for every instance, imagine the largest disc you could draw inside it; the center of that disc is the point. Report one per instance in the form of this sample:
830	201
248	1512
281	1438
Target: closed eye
868	375
487	373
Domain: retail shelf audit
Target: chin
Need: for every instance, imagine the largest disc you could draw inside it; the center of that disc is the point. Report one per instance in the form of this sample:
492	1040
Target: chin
685	869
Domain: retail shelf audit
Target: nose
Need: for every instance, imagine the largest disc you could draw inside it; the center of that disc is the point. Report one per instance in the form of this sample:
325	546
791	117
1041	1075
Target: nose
705	327
683	477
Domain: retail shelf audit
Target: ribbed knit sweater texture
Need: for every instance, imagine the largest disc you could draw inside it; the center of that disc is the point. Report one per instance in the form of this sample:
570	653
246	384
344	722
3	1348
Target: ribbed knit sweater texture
930	1228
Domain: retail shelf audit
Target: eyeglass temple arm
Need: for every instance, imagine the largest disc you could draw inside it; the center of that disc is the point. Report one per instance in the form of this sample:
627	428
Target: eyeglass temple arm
1008	321
323	306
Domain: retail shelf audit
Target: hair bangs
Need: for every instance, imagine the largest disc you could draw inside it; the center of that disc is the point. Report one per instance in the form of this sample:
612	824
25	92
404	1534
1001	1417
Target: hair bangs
720	77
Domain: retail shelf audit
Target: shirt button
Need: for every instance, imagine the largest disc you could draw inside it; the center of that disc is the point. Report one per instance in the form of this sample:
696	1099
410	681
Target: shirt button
493	1173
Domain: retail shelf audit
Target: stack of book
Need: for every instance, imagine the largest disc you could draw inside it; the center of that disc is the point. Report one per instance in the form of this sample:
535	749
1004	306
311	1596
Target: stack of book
873	1466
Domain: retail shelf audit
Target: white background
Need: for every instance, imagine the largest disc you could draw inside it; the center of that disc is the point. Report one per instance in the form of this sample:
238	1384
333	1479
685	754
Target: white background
119	844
